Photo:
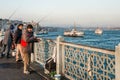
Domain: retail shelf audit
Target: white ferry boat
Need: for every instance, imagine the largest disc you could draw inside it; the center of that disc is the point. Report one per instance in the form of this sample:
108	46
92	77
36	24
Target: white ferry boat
98	31
74	33
42	32
39	31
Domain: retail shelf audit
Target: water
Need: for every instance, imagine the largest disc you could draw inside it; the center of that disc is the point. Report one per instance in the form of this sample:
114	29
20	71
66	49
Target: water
108	40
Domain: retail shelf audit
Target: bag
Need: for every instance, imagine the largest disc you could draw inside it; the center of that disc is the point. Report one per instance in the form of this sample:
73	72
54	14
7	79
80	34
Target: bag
50	65
1	43
13	46
23	43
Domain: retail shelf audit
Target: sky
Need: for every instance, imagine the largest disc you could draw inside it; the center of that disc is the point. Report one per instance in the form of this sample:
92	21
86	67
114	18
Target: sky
63	12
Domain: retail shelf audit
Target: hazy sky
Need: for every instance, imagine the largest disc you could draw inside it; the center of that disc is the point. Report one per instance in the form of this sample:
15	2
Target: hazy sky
63	12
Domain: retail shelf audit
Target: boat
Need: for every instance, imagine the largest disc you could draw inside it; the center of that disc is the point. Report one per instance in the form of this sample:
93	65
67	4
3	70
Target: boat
42	32
74	33
98	31
39	30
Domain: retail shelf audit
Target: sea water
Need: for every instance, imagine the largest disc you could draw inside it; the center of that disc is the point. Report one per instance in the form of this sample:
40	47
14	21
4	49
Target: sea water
108	40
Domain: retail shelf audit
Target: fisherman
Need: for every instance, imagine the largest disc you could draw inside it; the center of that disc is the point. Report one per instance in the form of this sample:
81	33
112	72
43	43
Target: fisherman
17	39
7	42
27	41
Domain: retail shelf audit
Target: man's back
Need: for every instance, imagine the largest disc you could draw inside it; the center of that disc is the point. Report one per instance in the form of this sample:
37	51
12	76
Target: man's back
8	37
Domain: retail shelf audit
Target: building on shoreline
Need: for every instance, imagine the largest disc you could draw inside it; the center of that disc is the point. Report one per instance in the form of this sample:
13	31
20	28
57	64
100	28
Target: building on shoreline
4	23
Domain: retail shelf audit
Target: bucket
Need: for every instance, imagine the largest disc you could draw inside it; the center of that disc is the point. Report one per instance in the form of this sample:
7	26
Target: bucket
13	54
32	57
57	77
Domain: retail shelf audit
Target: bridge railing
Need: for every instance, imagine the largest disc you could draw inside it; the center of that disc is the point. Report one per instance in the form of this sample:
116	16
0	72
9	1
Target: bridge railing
43	50
78	62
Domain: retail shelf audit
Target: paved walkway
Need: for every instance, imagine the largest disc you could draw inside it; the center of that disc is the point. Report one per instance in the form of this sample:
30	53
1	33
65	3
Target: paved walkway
10	70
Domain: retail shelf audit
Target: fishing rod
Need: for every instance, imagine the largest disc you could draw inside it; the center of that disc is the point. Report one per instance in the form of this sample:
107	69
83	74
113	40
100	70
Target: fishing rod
37	27
39	20
42	19
14	12
10	16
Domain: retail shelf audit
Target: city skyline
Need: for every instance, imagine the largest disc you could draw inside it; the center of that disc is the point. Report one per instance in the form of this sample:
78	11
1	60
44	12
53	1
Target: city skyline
63	12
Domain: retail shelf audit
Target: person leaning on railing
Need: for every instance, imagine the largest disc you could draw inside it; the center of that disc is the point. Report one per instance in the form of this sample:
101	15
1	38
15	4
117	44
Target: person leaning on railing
27	41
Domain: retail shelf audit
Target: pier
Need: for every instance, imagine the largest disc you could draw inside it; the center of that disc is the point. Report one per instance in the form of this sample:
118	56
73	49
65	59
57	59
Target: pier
60	40
73	62
10	70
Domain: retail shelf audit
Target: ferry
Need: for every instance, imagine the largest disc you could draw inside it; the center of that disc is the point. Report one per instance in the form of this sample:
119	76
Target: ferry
39	31
42	32
74	33
98	31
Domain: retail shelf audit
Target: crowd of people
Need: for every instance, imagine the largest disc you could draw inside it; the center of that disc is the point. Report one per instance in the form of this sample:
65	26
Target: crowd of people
22	40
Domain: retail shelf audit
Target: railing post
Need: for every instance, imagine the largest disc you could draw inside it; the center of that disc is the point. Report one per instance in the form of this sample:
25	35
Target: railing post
35	51
59	55
32	57
89	65
117	62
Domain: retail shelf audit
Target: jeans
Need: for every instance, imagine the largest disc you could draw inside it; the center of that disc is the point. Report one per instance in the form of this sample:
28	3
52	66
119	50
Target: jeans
6	49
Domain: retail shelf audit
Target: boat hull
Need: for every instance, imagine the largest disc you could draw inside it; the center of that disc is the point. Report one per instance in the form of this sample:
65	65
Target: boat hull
74	34
98	31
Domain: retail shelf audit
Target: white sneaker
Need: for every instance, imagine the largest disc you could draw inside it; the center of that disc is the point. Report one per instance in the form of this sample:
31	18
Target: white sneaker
26	72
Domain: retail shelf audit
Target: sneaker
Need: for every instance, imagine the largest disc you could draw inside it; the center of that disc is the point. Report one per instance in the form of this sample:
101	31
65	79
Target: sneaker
26	72
8	57
2	55
18	60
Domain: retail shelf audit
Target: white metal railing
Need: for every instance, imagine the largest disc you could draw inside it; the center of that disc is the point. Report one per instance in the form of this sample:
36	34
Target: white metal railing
43	50
86	64
78	62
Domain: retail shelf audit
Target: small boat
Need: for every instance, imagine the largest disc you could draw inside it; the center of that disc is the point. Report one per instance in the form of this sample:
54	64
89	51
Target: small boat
98	31
74	33
39	30
42	32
